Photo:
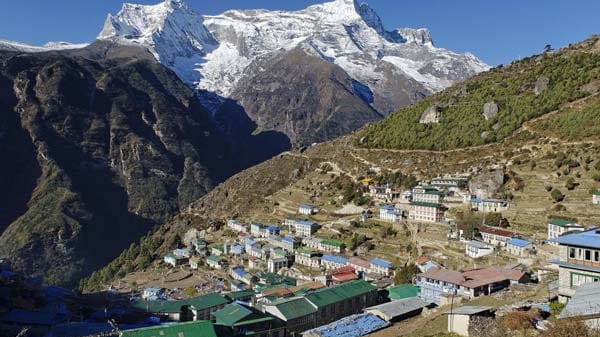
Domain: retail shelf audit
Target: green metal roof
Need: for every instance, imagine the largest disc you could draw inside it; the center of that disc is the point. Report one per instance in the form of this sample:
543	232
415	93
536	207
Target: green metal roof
190	329
240	294
426	204
213	258
561	222
254	320
332	243
231	314
328	296
597	192
403	291
198	303
305	251
295	308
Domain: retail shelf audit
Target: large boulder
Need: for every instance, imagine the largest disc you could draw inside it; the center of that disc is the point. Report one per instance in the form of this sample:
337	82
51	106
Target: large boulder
431	115
490	110
541	85
487	182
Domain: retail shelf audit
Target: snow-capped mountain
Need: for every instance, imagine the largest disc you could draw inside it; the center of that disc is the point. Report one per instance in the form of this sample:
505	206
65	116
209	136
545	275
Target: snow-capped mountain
213	53
26	48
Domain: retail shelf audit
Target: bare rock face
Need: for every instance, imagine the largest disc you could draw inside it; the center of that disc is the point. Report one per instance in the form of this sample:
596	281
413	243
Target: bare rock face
541	85
431	115
591	88
490	110
95	153
486	183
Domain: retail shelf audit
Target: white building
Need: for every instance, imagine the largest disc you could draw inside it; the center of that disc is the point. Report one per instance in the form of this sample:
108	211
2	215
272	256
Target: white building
519	247
333	262
384	193
258	230
359	265
312	242
389	213
214	262
307	257
278	260
307	209
596	198
476	249
306	228
558	227
579	261
489	205
427	194
382	267
235	226
495	236
426	211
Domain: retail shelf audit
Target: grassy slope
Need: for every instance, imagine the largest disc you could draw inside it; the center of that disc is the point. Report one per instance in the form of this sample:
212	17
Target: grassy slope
512	88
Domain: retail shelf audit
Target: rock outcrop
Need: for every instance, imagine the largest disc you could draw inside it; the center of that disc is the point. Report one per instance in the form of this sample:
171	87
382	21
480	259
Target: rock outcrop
490	110
431	115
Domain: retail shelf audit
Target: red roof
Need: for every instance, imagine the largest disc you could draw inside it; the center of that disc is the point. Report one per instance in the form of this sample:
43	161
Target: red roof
496	231
359	262
422	260
342	270
283	292
344	277
309	285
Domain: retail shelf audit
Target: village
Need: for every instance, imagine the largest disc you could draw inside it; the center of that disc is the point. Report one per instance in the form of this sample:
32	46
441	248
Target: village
292	278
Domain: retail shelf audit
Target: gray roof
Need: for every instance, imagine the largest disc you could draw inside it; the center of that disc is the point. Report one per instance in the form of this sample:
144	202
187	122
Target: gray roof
469	310
586	301
397	308
478	244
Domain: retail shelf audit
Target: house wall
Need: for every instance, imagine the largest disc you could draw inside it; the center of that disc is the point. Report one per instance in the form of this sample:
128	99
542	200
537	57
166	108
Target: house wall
569	279
350	306
459	324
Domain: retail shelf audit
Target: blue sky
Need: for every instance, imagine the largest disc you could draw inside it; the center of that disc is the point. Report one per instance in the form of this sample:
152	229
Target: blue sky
496	31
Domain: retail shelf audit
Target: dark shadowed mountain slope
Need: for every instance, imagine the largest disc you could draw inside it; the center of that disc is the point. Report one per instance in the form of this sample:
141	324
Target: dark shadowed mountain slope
94	153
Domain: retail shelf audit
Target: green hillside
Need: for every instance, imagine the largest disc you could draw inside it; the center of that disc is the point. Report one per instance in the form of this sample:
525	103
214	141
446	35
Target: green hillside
524	90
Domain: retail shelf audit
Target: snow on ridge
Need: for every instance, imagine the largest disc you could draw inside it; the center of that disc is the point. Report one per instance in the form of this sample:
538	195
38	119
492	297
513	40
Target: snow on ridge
213	52
50	46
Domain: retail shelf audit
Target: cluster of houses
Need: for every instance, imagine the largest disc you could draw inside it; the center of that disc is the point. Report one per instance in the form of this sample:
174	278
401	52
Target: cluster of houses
266	249
426	203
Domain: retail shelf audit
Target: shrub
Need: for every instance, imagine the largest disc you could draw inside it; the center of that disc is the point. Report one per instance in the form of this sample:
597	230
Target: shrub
556	307
570	328
571	184
517	320
557	196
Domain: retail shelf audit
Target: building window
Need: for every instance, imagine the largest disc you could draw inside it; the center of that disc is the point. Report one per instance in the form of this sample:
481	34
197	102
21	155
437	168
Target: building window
588	255
572	253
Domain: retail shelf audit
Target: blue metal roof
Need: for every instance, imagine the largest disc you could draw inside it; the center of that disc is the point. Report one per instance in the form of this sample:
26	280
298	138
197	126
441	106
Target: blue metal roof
388	207
239	271
273	228
289	239
382	263
518	242
476	200
306	223
351	326
307	206
334	259
590	239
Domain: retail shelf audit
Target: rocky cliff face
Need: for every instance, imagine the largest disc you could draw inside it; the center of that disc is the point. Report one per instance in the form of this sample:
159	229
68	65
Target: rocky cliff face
94	154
